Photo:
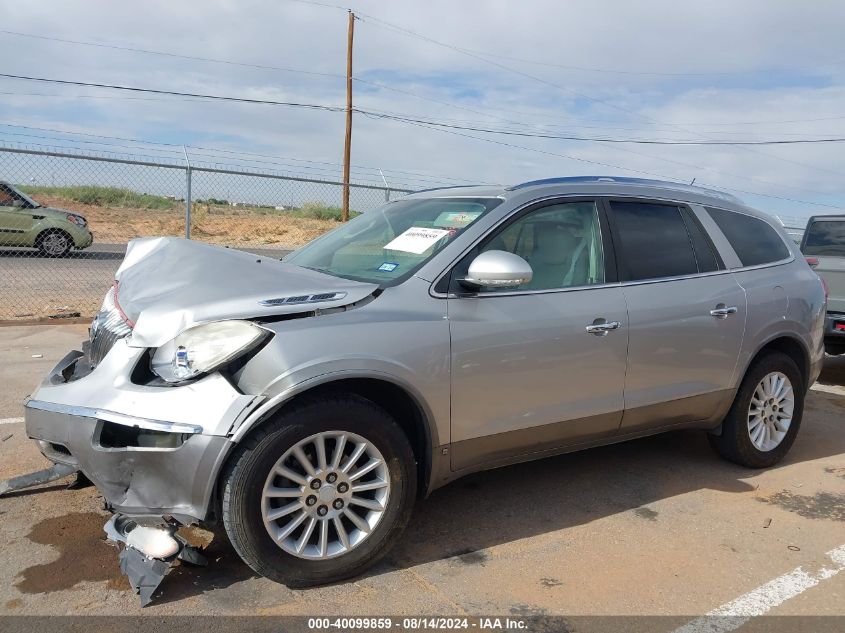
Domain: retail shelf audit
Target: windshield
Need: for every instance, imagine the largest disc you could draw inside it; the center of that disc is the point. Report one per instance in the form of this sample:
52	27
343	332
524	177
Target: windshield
825	237
386	245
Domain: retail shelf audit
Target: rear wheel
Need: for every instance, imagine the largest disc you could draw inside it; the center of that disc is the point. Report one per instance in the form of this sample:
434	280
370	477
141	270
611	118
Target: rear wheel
766	414
54	243
320	493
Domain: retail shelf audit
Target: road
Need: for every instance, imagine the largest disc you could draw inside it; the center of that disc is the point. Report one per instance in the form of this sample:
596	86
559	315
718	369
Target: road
33	286
654	526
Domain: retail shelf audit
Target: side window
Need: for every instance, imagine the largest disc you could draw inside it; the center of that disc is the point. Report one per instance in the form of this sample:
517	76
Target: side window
561	242
652	241
754	241
7	199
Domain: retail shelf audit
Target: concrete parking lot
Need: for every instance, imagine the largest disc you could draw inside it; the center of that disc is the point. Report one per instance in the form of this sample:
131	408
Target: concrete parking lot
655	526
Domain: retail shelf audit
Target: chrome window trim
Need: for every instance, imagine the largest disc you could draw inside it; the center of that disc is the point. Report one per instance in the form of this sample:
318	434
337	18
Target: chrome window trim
780	262
623	284
111	416
514	293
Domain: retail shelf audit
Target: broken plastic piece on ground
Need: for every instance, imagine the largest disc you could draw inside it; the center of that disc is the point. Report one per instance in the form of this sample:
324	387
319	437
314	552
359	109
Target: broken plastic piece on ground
153	542
57	471
148	553
144	574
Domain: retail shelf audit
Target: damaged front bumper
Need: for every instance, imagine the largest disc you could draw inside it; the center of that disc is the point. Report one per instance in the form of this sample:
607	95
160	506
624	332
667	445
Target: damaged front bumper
152	451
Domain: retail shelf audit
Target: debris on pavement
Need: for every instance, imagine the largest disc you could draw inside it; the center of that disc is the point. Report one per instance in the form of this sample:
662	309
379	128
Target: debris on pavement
38	355
8	437
147	553
767	523
81	481
61	312
57	471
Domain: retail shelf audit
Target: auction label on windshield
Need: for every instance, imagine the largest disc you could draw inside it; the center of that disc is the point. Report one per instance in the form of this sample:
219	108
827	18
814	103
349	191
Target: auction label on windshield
416	240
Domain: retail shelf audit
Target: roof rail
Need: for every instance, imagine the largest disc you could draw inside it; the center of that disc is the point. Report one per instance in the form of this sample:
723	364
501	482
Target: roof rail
447	187
626	181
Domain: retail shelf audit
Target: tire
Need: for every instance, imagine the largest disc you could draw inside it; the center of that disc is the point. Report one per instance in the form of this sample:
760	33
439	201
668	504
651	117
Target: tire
245	509
735	443
834	349
54	243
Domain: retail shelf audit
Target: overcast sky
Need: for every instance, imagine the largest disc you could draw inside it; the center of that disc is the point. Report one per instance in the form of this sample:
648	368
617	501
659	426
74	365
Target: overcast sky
700	70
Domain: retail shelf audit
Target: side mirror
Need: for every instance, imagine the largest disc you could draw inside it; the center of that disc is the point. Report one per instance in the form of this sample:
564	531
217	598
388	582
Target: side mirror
497	269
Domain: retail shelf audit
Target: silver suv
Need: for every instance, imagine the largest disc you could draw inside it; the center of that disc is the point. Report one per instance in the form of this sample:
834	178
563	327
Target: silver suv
306	403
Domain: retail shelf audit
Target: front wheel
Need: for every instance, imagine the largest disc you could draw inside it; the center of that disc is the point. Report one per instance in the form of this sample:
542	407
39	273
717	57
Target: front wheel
321	492
54	243
766	414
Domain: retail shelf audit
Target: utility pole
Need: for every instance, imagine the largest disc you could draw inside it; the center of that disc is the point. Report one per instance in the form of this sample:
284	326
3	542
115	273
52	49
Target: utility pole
347	143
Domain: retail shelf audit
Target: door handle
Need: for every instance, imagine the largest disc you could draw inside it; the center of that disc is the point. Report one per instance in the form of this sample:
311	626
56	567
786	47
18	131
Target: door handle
599	327
721	311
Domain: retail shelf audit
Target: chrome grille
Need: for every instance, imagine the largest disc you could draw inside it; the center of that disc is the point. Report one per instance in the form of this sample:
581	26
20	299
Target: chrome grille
106	329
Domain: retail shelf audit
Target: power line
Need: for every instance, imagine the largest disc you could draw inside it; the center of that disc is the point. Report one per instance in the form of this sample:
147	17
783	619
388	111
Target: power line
408	32
515	123
398	117
148	51
292	104
393	88
465	51
406	176
629	169
407	120
571	67
636	141
177	148
611	71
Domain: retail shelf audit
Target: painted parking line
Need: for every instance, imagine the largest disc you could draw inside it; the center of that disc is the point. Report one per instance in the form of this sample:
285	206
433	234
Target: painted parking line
11	421
760	601
835	389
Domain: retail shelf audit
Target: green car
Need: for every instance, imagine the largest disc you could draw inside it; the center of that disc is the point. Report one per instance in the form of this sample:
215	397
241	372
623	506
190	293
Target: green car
24	222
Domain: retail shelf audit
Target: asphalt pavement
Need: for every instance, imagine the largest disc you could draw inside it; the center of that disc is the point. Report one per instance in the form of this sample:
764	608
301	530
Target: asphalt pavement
654	526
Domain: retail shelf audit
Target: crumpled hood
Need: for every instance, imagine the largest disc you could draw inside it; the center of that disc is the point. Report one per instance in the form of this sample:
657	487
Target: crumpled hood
168	284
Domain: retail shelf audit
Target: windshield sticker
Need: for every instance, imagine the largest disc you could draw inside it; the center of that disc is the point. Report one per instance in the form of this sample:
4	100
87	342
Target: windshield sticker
416	240
388	267
456	219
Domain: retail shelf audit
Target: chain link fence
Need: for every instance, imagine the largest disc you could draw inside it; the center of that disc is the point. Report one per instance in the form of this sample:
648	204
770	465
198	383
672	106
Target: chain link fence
66	217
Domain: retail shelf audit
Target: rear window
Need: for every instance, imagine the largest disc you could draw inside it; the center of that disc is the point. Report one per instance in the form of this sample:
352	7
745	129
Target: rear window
825	237
753	240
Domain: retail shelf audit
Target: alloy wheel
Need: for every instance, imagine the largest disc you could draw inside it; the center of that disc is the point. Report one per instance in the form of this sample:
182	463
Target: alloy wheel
54	243
325	495
770	411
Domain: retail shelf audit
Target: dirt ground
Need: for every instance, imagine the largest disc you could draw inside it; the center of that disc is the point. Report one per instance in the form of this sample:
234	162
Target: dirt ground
655	526
209	223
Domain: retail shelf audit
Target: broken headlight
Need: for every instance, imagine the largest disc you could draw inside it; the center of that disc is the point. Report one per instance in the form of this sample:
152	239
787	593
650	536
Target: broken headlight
204	348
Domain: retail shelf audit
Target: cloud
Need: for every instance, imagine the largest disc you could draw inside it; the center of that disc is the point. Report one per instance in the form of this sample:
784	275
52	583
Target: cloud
740	62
